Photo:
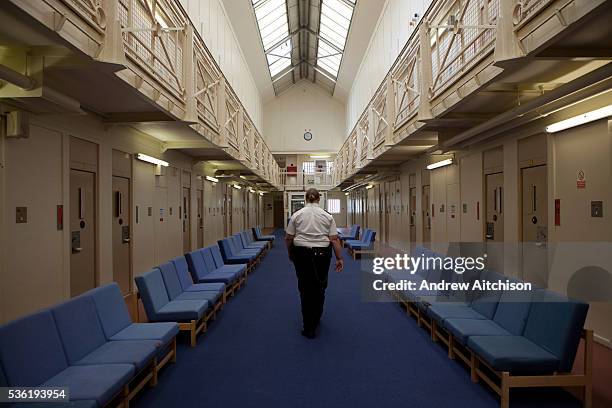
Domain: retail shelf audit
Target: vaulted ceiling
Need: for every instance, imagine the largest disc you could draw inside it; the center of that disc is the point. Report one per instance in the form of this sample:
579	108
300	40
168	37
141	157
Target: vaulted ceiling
303	39
288	41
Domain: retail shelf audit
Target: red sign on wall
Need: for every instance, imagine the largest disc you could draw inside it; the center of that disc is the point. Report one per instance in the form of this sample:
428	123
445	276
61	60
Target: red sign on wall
581	180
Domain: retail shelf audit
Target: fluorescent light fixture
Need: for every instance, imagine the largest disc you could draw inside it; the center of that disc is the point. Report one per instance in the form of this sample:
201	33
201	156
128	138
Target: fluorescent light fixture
320	156
441	163
251	190
151	160
261	193
369	186
580	119
242	177
213	179
236	186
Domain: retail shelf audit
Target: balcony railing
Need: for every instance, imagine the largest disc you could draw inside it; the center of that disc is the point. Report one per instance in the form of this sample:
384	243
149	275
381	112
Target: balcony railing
305	180
406	84
154	36
462	34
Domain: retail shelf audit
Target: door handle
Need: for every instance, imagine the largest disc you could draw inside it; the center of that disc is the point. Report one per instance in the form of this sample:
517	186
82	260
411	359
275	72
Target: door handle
76	250
126	240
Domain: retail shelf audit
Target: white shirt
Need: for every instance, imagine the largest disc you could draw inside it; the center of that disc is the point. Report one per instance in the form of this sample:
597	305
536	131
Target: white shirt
311	226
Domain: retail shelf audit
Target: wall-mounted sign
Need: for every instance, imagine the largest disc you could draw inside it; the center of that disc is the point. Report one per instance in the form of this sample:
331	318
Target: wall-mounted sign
581	180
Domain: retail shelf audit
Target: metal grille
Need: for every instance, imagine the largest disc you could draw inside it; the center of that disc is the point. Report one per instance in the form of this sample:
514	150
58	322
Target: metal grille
379	107
247	128
207	81
154	36
406	84
364	127
232	107
464	34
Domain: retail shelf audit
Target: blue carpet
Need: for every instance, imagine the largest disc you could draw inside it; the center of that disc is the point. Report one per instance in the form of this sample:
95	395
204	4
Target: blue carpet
368	354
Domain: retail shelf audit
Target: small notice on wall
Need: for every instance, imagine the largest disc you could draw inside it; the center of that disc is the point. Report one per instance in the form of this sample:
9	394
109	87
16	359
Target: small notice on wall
581	180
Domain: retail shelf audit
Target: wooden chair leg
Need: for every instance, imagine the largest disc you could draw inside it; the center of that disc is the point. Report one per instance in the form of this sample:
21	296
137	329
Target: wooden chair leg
473	368
126	396
505	390
173	351
153	381
434	338
192	332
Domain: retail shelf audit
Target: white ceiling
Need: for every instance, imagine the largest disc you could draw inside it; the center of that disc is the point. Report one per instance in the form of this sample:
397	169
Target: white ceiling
244	24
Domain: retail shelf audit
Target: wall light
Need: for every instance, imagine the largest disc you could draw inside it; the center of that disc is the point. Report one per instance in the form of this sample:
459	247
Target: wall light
580	119
441	163
320	156
261	193
151	160
236	186
213	179
242	177
369	186
346	193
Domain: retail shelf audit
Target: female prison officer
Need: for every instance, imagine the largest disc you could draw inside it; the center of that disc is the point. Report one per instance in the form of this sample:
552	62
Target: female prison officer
310	235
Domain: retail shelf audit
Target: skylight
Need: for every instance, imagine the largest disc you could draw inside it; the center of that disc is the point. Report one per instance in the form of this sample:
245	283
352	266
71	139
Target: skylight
335	21
274	30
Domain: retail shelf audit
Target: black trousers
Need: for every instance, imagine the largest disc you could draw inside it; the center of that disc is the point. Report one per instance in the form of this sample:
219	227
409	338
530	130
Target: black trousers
311	267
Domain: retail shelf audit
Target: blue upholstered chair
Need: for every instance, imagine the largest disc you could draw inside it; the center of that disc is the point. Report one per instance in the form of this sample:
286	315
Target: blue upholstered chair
85	343
190	314
117	323
202	273
186	280
353	234
176	292
32	355
261	237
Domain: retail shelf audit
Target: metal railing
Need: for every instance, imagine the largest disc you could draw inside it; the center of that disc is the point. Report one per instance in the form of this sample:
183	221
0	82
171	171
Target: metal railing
154	37
406	84
462	33
304	180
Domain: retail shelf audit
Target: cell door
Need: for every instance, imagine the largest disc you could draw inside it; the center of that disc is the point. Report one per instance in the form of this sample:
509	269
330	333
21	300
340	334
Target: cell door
494	207
387	215
83	231
426	214
121	234
535	225
200	215
186	208
494	220
412	210
228	213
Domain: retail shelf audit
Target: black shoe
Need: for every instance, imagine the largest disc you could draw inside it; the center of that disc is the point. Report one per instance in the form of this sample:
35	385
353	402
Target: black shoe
309	334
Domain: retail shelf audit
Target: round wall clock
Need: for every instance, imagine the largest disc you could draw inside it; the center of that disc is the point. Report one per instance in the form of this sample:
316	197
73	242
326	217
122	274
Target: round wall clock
307	136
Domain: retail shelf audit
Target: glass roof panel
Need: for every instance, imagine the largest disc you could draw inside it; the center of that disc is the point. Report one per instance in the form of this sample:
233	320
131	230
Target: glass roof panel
335	21
273	26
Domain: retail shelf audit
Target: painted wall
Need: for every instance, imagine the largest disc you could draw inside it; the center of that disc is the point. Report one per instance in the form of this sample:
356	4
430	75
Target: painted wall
303	107
391	34
34	173
211	21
